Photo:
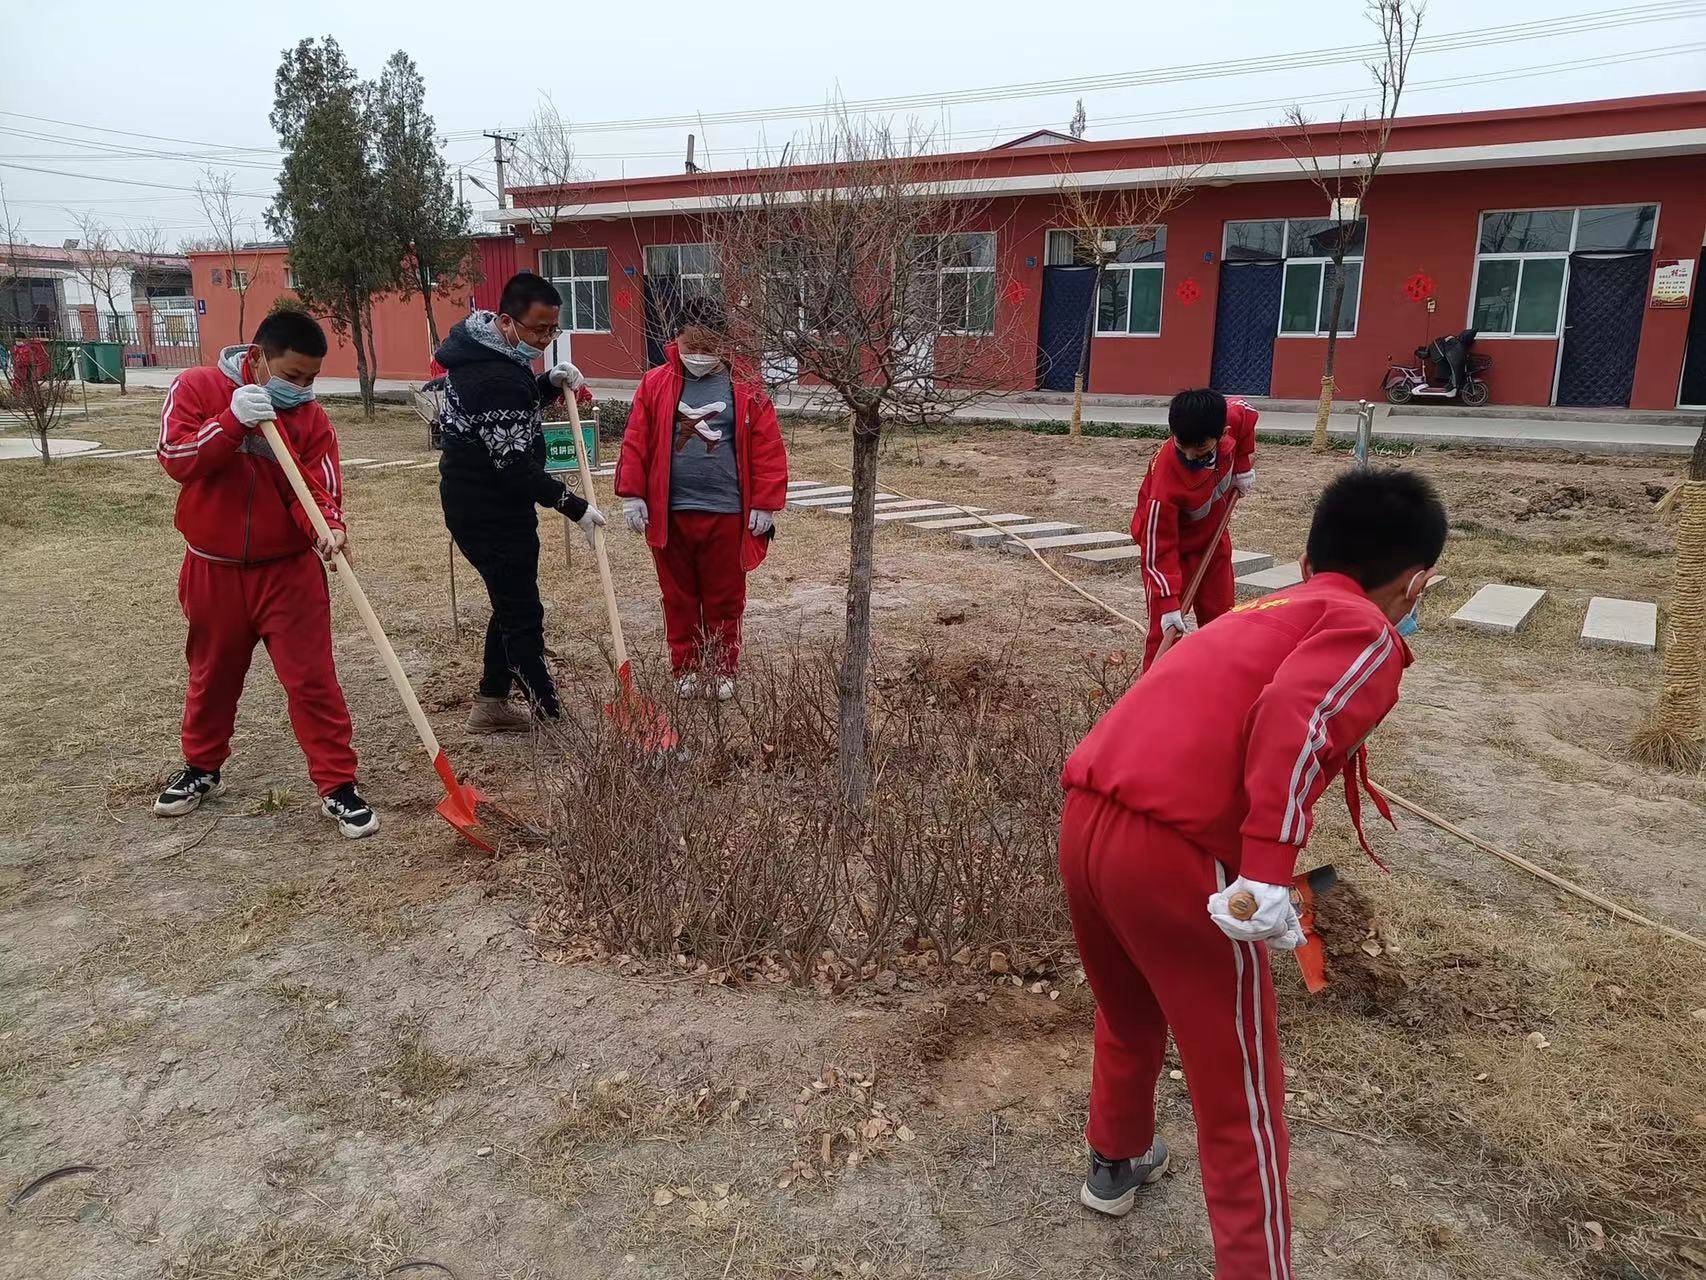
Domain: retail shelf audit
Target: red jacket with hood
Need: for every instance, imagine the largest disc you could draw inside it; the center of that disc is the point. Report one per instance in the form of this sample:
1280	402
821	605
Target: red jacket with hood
1178	509
235	503
642	471
1232	736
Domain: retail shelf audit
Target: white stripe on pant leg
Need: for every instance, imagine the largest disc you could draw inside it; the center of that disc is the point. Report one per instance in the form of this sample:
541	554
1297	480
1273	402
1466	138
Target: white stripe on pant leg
1250	1095
1267	1110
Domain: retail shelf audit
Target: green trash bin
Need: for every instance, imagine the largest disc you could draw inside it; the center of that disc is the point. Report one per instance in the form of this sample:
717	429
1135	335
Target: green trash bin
62	354
101	361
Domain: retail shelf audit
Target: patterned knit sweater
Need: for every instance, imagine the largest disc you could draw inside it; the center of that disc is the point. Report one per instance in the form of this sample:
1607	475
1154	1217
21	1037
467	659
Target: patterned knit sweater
493	421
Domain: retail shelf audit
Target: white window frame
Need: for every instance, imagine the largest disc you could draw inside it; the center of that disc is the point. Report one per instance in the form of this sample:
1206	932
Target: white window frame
679	275
237	278
1563	255
1324	261
1159	265
940	271
568	292
289	277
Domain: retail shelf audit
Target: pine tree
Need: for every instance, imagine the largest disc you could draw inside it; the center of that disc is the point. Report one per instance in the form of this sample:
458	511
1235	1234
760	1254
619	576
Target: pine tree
330	202
426	219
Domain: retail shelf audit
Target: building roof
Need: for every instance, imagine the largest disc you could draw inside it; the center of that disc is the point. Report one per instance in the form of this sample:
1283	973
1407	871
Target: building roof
1580	132
56	257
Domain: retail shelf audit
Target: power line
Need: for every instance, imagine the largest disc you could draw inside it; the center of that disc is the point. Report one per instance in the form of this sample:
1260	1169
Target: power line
128	182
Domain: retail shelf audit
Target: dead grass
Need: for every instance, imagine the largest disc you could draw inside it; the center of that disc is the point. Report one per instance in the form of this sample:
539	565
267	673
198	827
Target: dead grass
282	1250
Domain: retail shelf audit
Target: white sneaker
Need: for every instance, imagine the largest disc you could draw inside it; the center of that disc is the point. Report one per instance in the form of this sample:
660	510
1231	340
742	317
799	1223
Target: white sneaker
688	685
725	689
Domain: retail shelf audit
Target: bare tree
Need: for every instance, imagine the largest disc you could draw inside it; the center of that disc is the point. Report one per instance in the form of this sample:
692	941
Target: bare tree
544	160
229	234
1342	162
1079	122
861	271
36	391
105	268
1109	227
11	263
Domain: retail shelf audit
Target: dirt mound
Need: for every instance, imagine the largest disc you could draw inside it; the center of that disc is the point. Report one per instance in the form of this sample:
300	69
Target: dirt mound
1369	977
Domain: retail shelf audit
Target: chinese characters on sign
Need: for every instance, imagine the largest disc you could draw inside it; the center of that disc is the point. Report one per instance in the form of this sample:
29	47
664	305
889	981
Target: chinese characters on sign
1673	282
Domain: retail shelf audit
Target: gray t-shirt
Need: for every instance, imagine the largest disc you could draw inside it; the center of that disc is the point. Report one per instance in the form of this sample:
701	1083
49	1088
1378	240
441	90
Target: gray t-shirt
702	472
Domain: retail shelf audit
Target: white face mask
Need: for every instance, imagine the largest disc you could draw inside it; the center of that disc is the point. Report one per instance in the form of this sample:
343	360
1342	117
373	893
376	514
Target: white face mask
699	366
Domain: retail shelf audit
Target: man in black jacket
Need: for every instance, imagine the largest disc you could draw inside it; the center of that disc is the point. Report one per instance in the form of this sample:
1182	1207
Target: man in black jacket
492	475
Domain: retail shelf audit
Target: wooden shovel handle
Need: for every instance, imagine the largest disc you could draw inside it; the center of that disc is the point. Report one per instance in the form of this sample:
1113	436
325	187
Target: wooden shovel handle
1190	597
1242	905
619	649
293	473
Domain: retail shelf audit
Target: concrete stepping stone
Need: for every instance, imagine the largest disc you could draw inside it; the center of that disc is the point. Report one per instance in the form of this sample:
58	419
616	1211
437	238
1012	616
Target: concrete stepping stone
967	522
991	537
892	513
1064	541
1262	581
1498	607
356	462
1622	624
1250	562
824	500
395	462
1117	557
129	453
803	484
896	505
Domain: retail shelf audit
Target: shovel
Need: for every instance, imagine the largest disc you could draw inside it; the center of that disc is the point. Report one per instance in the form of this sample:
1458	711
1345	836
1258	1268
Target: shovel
1305	889
1190	596
460	799
634	715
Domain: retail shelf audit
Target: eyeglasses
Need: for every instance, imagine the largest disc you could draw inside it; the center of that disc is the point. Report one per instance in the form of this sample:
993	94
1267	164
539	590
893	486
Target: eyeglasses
545	332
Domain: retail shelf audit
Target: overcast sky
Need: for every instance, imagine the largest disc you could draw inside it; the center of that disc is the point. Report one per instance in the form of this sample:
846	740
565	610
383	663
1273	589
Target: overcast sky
201	75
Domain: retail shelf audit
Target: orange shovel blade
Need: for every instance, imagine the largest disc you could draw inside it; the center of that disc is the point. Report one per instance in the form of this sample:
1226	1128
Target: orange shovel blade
460	800
638	718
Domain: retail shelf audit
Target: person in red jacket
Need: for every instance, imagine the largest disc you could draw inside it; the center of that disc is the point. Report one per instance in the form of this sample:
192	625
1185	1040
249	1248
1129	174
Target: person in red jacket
1260	710
252	569
704	473
1180	504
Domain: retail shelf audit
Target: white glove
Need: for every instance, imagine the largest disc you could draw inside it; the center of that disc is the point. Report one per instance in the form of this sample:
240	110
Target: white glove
1174	622
565	375
592	519
251	405
635	513
1244	481
1275	919
761	522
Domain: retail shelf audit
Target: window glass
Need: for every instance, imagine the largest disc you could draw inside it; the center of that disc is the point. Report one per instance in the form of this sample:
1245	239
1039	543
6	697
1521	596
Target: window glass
1495	295
1145	301
1114	304
1541	294
1061	249
1348	303
1527	231
1316	237
1300	300
663	260
589	262
1628	227
1140	244
1255	240
980	304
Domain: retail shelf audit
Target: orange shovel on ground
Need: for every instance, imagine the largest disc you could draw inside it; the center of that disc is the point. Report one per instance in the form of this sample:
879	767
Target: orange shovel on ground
631	713
460	799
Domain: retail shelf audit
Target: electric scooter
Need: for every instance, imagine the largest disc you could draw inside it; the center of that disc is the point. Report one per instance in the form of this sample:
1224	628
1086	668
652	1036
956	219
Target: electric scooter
1430	377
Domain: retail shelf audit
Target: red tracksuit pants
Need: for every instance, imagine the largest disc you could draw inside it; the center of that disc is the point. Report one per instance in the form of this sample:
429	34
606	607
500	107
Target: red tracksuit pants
1138	893
285	605
704	589
1214	597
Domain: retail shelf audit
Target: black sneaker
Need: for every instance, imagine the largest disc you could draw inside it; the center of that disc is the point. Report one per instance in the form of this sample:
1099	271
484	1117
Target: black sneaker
1112	1185
355	818
185	789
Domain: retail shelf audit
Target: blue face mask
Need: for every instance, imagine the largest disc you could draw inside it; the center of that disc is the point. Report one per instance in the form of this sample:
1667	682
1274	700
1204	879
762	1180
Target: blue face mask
1197	464
287	395
528	349
1409	624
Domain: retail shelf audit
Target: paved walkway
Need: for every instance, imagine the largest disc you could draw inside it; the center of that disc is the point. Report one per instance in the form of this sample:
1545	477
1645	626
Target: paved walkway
1585	434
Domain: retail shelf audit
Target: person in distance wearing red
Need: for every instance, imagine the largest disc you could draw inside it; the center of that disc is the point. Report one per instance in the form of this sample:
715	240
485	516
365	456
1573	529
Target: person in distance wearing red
1191	478
1260	710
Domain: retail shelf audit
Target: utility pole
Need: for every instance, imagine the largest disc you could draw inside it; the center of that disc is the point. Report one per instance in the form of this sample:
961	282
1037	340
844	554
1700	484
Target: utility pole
498	140
691	166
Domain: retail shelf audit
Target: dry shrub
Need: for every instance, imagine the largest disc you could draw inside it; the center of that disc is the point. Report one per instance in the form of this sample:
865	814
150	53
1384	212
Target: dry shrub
734	851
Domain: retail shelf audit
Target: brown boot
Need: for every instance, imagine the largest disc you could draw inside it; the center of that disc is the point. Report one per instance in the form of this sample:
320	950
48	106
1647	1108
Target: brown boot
497	715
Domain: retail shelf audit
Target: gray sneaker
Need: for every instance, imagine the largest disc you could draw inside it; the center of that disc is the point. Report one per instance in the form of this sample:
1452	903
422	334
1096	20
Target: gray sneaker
1112	1185
497	715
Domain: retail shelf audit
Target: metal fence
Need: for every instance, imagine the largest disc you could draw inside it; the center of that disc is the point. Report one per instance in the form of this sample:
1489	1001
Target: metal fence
170	341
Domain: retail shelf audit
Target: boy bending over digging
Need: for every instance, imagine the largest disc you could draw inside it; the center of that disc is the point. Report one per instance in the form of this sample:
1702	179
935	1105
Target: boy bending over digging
251	572
1178	864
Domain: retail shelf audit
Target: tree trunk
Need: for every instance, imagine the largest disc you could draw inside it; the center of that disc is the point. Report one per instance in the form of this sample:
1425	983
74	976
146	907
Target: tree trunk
856	659
358	340
1082	377
367	398
118	332
432	320
1325	408
1680	734
242	320
46	456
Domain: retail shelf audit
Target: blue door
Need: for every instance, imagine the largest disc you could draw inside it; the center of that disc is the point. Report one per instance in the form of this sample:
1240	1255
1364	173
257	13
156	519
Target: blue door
1067	296
1602	328
663	304
1246	317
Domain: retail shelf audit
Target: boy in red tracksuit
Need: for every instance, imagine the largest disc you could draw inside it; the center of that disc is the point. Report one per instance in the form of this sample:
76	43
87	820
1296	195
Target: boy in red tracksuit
704	473
1259	711
1180	504
252	569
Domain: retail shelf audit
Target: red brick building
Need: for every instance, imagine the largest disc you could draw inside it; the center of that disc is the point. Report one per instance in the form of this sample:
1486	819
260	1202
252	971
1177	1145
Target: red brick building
1570	236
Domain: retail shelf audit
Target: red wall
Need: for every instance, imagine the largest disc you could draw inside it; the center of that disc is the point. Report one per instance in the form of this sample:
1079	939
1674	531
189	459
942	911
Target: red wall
1424	223
399	324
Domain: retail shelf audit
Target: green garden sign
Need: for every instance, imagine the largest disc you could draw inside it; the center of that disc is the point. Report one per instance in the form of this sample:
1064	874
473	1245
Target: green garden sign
560	445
